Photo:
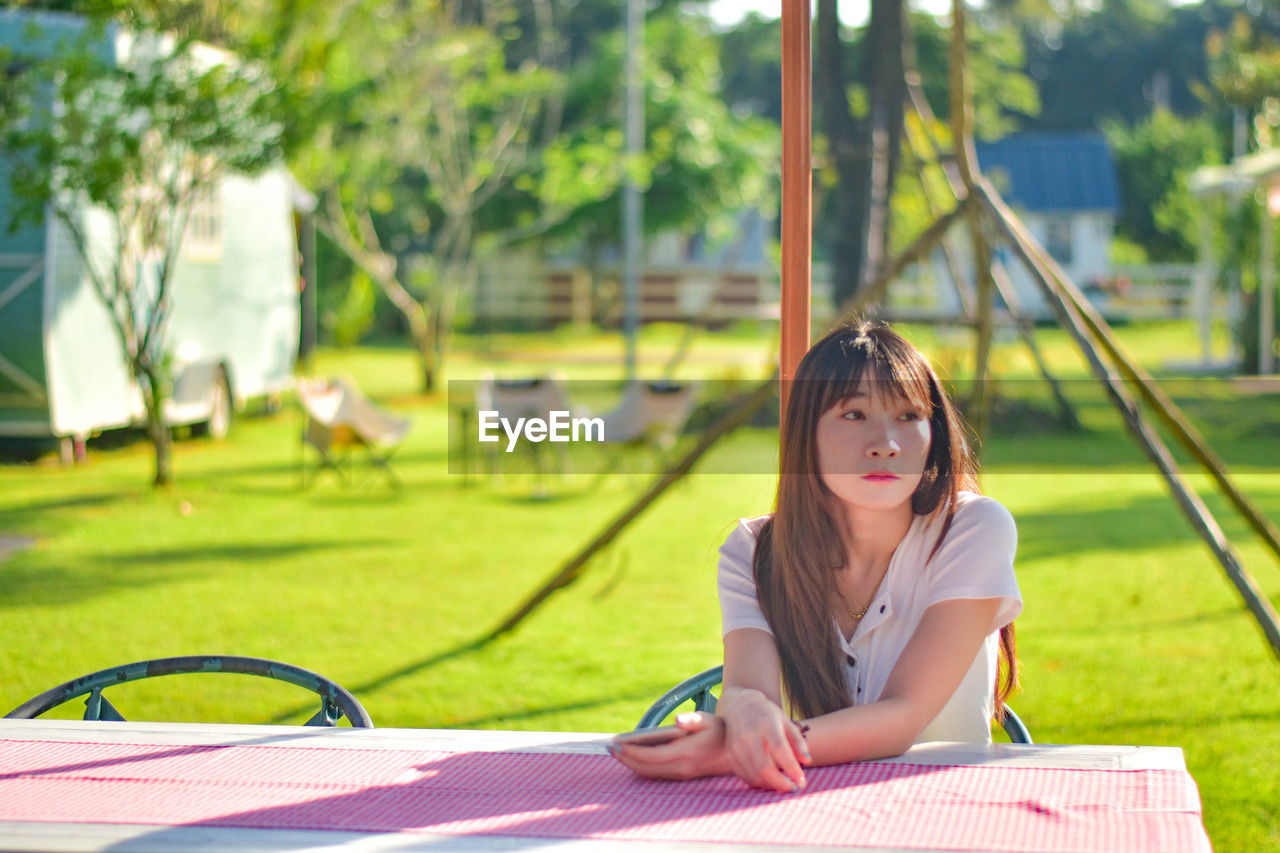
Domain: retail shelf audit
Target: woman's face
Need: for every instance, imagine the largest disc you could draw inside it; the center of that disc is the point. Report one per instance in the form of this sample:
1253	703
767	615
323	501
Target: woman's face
872	449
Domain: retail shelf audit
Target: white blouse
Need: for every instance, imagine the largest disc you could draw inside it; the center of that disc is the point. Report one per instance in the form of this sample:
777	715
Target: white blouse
975	561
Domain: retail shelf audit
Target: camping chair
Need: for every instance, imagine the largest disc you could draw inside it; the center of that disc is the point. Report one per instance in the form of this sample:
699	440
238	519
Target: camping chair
341	419
651	415
513	399
698	689
335	701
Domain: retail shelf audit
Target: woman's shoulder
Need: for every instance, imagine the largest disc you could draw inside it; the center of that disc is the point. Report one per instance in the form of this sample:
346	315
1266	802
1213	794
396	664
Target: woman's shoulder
747	530
981	522
977	515
974	508
739	548
741	541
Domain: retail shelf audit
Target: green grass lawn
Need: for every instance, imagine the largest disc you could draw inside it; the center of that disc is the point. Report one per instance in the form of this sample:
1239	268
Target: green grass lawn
1130	633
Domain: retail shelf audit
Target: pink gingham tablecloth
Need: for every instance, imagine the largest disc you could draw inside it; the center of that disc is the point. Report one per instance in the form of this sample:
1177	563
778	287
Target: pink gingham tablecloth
586	796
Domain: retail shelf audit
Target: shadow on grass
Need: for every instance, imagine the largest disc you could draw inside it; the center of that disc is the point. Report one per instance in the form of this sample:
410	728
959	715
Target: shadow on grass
24	518
378	682
1125	726
209	553
645	697
68	502
1147	626
29	582
24	584
406	671
1145	522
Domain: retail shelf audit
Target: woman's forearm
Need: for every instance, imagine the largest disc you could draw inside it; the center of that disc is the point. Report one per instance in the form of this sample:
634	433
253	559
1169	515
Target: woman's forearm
861	733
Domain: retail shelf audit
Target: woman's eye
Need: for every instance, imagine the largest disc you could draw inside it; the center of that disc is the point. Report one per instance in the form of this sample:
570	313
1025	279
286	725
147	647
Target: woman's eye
912	416
854	415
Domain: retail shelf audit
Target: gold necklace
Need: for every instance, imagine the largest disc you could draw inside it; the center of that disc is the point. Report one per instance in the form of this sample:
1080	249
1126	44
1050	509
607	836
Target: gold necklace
856	616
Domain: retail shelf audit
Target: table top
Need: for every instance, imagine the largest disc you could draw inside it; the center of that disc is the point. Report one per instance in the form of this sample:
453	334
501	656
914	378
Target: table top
69	785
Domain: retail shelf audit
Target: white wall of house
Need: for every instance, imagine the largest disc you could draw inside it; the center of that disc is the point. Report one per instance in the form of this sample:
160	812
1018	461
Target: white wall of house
1080	241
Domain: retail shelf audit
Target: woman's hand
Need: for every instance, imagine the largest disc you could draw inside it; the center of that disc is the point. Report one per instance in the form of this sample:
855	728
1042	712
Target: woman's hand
699	752
764	747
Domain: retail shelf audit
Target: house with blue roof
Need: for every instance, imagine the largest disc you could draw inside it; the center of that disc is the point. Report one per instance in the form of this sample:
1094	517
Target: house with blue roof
1064	188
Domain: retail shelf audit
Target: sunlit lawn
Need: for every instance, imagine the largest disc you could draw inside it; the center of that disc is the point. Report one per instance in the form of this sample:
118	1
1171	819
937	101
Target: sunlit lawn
1131	634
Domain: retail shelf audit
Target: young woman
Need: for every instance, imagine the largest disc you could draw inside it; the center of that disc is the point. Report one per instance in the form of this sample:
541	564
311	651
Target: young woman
878	598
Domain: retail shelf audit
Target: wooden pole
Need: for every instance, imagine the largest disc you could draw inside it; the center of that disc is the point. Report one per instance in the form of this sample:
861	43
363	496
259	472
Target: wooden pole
632	198
1066	412
1201	287
967	163
797	187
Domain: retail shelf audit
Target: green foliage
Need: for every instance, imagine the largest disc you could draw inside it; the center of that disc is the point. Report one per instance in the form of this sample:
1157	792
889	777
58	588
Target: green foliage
1244	64
1118	61
1126	252
1004	94
438	141
751	62
702	162
1154	160
425	122
139	135
352	318
164	121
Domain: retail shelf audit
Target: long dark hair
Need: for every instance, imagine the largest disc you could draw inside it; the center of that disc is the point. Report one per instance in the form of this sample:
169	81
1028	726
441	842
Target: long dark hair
800	549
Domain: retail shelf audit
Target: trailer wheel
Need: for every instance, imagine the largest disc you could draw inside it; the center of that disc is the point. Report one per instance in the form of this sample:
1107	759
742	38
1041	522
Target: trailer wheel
220	407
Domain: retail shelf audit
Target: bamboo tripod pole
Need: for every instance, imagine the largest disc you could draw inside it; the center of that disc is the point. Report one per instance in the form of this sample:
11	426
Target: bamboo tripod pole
954	270
966	163
1057	295
1166	408
1000	277
573	568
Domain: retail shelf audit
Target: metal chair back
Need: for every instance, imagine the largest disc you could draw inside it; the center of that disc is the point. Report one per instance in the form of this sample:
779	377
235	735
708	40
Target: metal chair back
698	689
335	701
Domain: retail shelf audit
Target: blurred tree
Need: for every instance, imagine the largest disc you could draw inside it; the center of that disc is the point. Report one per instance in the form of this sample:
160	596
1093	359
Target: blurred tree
863	147
751	59
140	139
1003	94
1244	64
1121	60
861	121
435	148
1244	68
1154	159
701	165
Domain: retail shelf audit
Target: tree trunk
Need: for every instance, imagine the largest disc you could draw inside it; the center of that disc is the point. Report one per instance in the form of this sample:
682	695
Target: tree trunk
422	328
154	395
886	76
863	152
845	229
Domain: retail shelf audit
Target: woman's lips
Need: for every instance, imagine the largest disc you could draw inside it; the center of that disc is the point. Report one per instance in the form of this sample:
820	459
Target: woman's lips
880	477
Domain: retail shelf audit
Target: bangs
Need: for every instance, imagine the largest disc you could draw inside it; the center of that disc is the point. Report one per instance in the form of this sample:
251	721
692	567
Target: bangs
858	362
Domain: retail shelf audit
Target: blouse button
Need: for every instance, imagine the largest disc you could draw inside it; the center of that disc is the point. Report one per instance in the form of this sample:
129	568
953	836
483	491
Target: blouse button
881	608
851	660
